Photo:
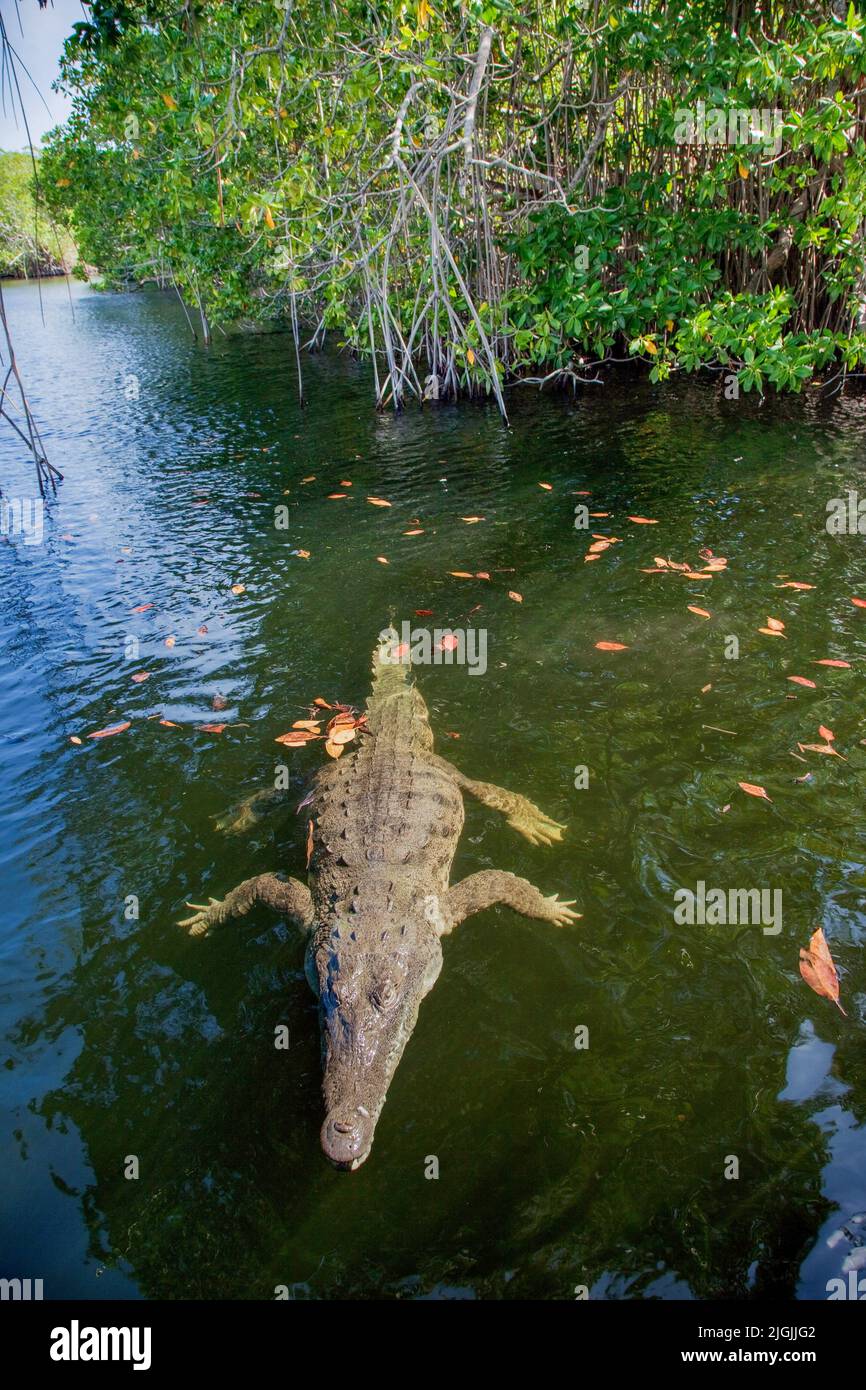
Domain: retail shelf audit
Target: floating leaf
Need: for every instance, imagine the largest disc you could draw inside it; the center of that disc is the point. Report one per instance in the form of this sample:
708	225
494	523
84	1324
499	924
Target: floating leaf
344	735
598	546
643	521
332	496
859	602
776	624
142	608
211	728
802	680
112	729
696	574
548	487
818	970
382	560
73	738
791	585
239	588
828	661
418	531
141	676
322	704
295	737
611	646
170	641
378	502
470	520
513	594
302	554
423	612
751	789
771	632
826	733
482	574
169	724
461	574
334	750
705	688
701	612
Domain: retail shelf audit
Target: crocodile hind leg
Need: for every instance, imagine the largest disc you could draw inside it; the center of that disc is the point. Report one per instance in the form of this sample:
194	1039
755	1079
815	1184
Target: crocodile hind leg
522	814
496	886
286	896
250	811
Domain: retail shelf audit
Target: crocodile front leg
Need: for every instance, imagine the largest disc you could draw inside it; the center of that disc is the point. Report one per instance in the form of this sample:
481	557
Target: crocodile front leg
286	896
523	815
491	886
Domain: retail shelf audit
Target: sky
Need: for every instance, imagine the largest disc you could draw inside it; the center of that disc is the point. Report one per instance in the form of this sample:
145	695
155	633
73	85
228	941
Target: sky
39	47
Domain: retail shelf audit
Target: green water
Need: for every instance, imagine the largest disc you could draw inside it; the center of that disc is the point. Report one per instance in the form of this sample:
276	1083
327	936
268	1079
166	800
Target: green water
558	1167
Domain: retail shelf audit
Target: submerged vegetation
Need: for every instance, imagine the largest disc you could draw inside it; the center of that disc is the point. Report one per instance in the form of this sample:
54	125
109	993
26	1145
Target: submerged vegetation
475	191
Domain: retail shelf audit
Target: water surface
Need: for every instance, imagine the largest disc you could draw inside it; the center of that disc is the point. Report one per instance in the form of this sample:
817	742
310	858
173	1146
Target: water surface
558	1167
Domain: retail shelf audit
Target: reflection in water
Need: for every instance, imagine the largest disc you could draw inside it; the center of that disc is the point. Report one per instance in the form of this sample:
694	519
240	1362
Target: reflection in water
558	1167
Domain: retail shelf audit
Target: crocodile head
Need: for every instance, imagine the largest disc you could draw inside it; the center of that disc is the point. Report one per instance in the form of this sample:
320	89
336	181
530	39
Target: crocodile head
369	1001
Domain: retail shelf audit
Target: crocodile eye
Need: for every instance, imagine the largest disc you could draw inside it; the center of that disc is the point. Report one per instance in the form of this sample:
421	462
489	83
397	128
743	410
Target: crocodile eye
384	995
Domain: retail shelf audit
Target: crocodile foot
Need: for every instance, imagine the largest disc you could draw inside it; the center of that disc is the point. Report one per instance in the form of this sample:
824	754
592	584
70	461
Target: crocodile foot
204	918
560	913
533	824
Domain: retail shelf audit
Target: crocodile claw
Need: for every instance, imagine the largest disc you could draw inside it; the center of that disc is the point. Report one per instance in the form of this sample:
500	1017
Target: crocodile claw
203	917
560	912
534	825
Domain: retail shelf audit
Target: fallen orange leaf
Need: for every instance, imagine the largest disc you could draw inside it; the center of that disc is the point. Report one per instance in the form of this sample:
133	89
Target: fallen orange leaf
791	585
548	487
461	574
701	612
211	728
313	726
752	790
827	661
776	624
859	602
322	704
643	521
142	608
611	646
170	641
382	560
378	502
512	594
141	676
818	970
334	750
801	680
419	531
239	588
771	632
112	729
294	738
73	738
826	733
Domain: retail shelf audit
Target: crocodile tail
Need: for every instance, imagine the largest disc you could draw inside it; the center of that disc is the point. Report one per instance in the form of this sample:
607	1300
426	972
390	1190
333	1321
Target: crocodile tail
390	661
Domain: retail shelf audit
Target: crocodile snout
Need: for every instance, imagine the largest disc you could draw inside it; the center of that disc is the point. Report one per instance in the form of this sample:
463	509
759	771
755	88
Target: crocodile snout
347	1137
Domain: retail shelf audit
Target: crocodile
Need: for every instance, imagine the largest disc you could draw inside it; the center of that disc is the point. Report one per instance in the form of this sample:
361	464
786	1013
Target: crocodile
386	821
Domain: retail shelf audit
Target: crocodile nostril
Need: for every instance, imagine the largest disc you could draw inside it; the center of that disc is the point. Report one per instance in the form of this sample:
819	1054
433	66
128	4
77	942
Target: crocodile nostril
342	1128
